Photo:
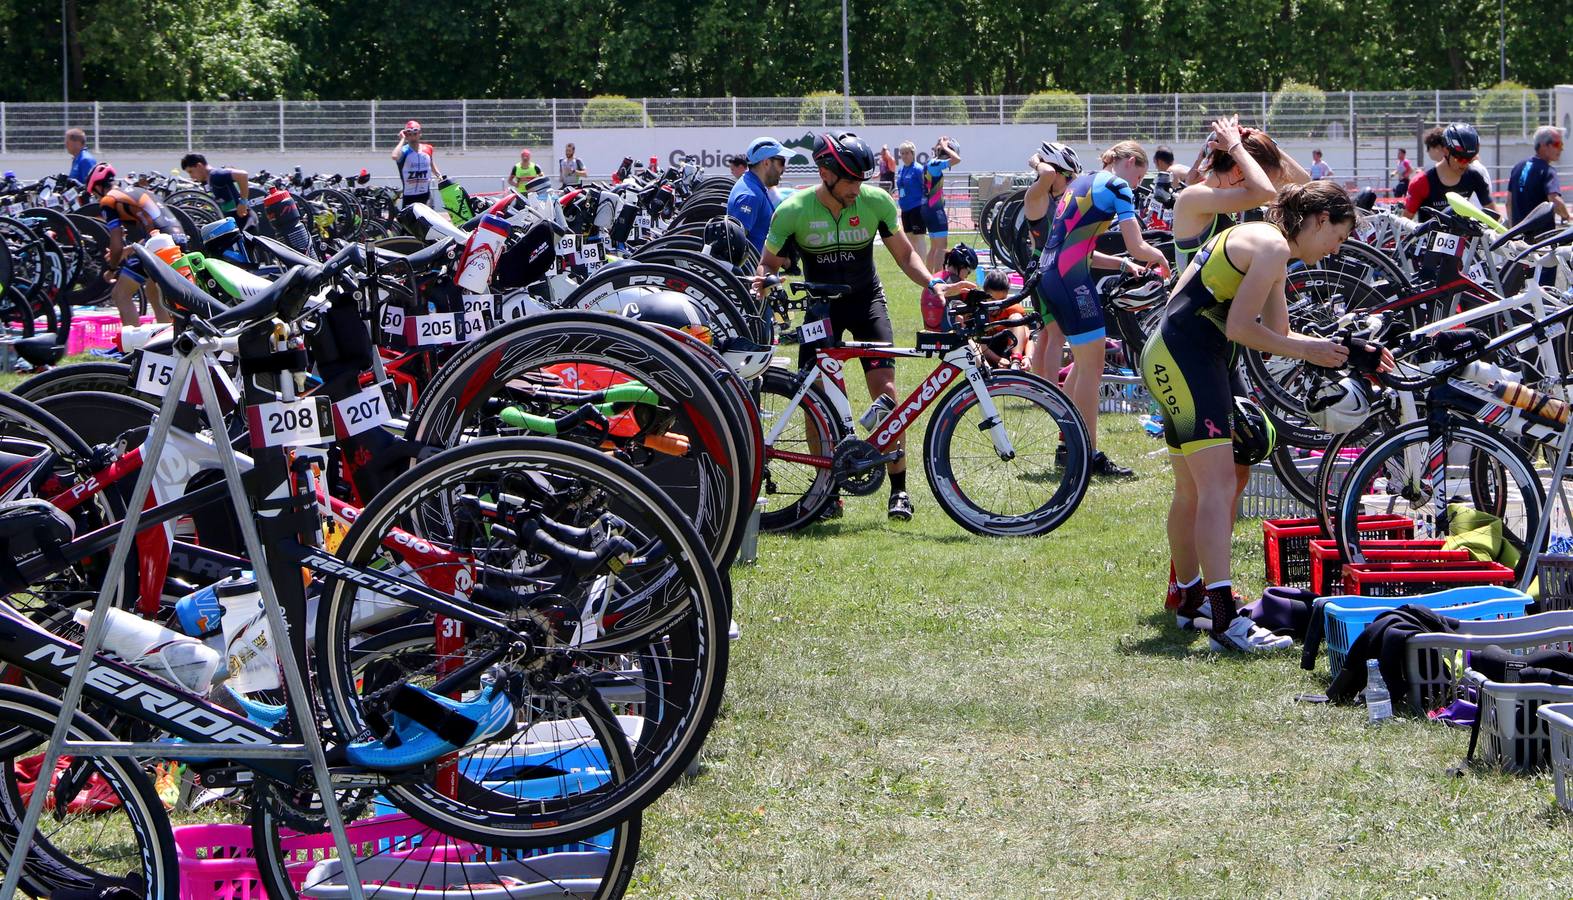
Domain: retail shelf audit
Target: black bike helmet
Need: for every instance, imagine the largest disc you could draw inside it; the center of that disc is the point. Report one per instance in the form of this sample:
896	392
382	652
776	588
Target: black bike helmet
845	154
961	258
658	307
1251	432
726	239
1460	139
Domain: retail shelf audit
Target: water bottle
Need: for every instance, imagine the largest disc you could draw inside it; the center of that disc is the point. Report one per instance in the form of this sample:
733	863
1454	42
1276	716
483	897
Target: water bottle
1378	702
876	412
250	655
1541	406
153	648
1486	374
284	216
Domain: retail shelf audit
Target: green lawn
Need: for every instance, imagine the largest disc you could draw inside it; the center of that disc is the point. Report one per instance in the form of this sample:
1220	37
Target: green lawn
913	711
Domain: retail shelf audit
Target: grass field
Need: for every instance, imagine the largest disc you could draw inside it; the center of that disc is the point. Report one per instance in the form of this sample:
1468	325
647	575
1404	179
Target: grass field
913	711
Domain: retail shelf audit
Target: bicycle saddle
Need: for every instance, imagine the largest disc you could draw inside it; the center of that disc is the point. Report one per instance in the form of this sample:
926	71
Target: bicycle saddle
43	350
186	297
426	257
1540	219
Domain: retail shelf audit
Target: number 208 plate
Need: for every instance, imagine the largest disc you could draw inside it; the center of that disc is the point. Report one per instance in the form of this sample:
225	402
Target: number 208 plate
291	423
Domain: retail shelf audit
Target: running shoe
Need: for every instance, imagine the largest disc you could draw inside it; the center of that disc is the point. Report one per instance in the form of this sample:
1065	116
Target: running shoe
1243	636
900	507
1105	467
835	509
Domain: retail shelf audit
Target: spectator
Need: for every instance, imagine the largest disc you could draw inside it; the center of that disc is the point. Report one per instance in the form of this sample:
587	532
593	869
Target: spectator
82	161
753	199
417	164
1163	161
738	165
1403	170
1534	181
909	197
230	187
887	169
523	171
1319	170
570	169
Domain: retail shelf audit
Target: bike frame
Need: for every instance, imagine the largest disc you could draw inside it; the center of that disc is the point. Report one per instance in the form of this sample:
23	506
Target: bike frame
827	370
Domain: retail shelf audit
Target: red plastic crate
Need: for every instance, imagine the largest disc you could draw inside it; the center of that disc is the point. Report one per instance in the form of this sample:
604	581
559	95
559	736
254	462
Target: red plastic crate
1286	544
1407	579
1327	564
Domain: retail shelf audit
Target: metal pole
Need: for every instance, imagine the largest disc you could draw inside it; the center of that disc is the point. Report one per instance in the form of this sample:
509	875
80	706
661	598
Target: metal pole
189	146
1387	145
97	138
1002	109
846	69
1176	118
1088	112
1498	162
1437	101
914	100
2	128
1502	40
464	125
373	124
734	111
1354	147
281	124
65	66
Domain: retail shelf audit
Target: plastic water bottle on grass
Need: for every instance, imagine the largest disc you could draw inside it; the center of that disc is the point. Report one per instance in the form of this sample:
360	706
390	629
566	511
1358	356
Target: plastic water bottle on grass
1378	701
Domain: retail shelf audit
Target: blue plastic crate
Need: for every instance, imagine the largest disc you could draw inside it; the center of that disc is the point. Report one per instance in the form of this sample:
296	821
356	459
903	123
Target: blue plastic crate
1473	604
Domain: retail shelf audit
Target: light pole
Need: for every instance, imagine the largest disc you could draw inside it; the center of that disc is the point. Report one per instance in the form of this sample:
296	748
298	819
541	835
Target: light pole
65	67
1502	40
846	71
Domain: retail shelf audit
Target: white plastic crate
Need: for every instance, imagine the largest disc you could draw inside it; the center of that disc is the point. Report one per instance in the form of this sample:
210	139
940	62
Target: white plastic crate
1431	661
1559	722
1265	497
1513	737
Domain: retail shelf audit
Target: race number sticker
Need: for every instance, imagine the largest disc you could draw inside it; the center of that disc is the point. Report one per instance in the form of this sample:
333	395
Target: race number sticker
590	255
432	329
1477	273
392	320
291	423
643	222
156	372
362	411
1448	244
568	245
814	331
472	324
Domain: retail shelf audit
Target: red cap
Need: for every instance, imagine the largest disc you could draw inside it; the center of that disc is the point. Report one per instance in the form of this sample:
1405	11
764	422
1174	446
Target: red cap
412	125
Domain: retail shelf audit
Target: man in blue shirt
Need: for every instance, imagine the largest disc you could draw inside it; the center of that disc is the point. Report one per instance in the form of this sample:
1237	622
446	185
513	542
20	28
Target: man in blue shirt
753	200
230	187
1534	181
82	162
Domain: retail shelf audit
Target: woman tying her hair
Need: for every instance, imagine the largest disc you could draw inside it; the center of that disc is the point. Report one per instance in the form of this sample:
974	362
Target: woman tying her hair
1234	182
1232	295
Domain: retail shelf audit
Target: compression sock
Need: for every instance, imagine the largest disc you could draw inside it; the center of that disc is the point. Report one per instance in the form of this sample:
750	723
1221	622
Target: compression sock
1188	601
1171	600
898	481
1220	595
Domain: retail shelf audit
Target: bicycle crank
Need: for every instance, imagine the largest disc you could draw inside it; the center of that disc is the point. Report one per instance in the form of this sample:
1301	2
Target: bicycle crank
858	466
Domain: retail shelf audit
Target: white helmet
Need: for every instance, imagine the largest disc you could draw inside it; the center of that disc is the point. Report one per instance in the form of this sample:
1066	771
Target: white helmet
1339	407
1060	157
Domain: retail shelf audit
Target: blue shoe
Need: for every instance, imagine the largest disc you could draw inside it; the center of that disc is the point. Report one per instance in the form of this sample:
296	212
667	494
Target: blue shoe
445	725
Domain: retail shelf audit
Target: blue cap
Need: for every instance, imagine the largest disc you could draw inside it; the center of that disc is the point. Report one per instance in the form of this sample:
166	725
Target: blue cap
766	148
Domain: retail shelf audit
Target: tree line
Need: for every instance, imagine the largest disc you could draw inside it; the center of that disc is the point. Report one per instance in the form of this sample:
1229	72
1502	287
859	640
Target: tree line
149	50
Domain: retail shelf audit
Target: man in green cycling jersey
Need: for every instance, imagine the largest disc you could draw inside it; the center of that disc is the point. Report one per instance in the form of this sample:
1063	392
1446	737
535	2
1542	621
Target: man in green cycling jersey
833	228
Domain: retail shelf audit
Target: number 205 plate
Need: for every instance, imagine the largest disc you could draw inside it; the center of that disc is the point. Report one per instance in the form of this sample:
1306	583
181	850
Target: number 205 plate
291	423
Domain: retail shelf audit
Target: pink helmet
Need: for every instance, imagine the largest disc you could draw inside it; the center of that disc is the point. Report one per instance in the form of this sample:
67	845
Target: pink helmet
101	173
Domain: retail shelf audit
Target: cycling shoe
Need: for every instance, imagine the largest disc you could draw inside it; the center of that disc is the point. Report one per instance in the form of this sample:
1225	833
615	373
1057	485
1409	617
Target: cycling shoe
424	726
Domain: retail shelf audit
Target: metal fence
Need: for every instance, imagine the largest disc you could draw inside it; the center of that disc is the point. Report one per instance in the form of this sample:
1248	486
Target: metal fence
299	125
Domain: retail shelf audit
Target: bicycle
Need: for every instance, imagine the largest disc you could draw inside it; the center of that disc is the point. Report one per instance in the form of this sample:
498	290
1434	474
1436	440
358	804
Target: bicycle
986	418
634	586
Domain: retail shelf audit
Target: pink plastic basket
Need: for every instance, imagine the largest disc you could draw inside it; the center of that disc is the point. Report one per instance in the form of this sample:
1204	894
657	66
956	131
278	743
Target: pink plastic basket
93	331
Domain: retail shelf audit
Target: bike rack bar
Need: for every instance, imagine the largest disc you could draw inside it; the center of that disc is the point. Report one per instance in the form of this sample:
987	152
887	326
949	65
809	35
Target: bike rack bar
294	681
186	751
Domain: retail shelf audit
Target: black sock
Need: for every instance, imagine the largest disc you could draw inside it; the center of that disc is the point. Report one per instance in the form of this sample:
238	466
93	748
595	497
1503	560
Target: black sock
898	481
1221	598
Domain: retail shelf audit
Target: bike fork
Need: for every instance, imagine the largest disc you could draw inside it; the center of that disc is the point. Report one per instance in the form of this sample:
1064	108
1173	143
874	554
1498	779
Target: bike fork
992	423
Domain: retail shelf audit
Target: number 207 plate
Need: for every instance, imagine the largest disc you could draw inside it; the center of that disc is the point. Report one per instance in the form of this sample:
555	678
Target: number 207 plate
291	423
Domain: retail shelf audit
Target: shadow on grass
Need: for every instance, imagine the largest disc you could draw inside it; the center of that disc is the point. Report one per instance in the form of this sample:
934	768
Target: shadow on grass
834	529
1169	641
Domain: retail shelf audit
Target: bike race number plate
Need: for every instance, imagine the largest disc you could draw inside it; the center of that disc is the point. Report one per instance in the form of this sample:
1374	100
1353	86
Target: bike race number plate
392	320
590	254
362	411
568	246
156	371
291	423
477	313
432	329
1447	244
814	331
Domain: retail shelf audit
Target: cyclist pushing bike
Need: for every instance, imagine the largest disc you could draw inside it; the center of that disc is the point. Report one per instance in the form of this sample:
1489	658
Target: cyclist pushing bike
833	227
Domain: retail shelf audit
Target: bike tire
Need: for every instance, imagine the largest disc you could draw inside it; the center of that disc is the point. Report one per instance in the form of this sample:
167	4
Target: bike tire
26	720
949	434
107	377
809	488
663	748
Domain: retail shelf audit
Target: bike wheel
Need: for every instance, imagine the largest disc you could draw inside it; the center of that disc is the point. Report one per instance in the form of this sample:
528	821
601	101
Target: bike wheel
1424	475
106	377
795	490
1028	494
1339	458
640	657
114	832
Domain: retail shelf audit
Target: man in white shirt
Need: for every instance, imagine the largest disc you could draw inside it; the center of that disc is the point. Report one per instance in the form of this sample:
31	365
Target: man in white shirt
570	169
